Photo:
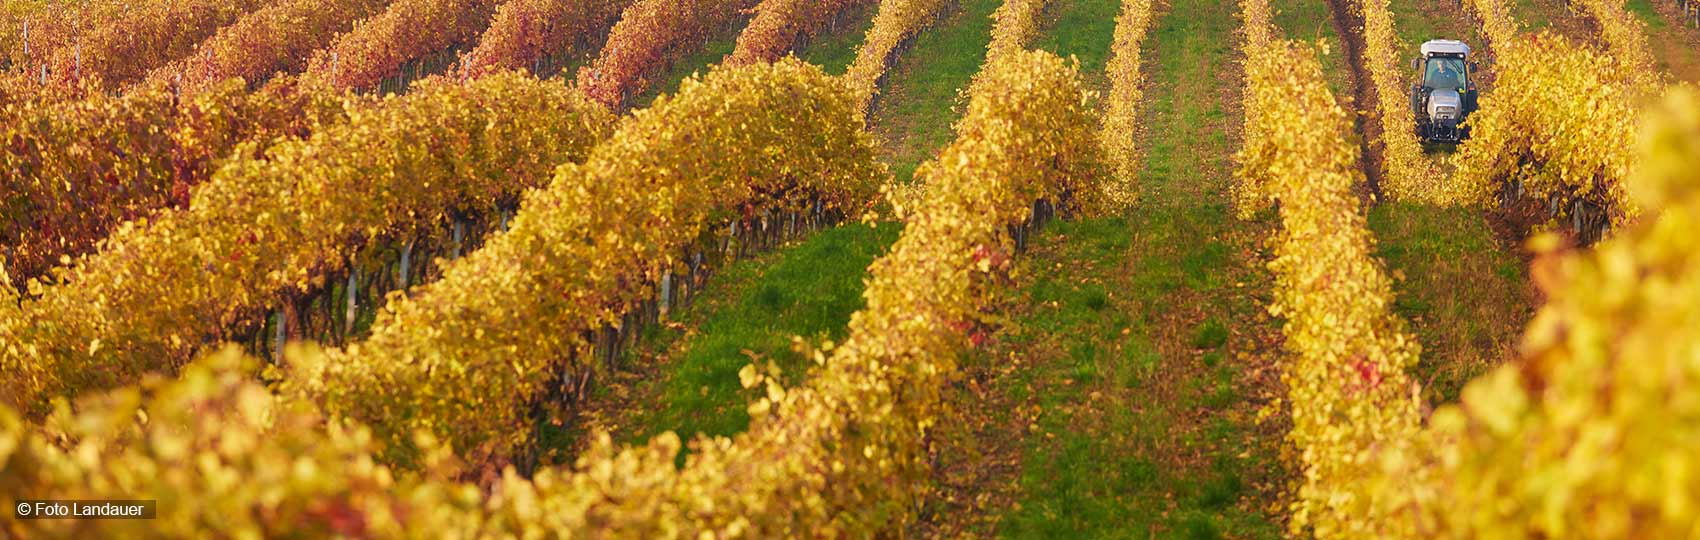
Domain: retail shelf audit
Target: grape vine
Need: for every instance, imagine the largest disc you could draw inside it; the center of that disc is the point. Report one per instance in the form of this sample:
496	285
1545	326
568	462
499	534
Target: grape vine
1496	20
234	461
42	27
15	18
843	453
1121	112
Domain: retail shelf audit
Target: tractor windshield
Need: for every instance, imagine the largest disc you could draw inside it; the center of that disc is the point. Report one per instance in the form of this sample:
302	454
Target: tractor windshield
1445	74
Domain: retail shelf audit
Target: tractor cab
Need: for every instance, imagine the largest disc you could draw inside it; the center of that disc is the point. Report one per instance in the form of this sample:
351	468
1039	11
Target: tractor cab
1445	94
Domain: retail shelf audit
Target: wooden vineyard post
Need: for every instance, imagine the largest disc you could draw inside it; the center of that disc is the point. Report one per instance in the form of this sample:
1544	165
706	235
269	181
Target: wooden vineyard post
352	293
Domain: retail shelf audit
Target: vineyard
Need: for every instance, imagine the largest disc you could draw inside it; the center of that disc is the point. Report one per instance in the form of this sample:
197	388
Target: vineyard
712	269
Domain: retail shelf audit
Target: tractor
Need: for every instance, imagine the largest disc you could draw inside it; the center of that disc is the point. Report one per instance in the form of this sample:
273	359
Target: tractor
1445	93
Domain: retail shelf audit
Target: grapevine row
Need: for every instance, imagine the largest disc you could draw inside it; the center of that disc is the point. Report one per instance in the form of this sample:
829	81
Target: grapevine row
1590	434
779	25
896	22
263	231
518	318
1121	112
1496	21
1016	23
76	169
1347	389
529	34
1536	136
1406	173
381	46
1249	193
652	35
121	46
279	37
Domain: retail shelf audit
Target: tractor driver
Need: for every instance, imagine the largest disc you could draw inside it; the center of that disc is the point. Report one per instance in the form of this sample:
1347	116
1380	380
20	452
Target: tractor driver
1444	74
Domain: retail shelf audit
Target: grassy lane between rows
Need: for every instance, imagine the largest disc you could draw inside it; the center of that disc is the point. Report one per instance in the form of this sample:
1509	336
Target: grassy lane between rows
1674	41
1140	363
1466	294
1309	21
1082	30
914	113
1552	14
1417	21
833	50
698	62
1122	398
683	376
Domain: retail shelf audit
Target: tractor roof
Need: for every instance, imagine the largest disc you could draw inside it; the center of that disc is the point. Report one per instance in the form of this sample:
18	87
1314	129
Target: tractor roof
1445	46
